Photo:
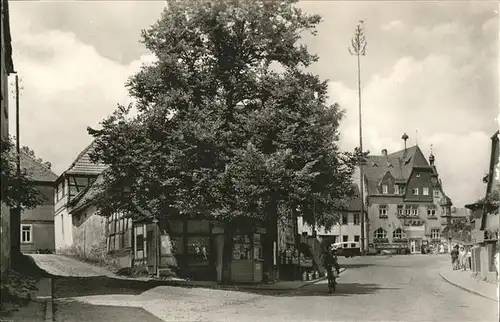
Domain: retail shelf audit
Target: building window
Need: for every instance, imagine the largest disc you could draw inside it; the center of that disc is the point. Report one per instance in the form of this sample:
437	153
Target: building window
345	238
382	211
431	212
356	219
385	189
400	210
380	233
26	234
436	193
415	191
396	189
414	211
356	238
435	233
59	191
408	211
425	191
397	234
344	219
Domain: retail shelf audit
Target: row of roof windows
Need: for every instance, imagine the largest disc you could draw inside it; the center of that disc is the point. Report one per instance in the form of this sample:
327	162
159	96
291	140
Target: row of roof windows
400	189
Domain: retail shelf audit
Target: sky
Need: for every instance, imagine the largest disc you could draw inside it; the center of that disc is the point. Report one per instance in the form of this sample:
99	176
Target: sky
431	71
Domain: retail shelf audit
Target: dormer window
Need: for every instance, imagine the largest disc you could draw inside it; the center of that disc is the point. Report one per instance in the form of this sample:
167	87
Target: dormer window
418	175
396	189
425	191
415	191
385	189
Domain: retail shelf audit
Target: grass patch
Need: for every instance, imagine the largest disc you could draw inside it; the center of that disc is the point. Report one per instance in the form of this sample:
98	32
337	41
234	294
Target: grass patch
97	256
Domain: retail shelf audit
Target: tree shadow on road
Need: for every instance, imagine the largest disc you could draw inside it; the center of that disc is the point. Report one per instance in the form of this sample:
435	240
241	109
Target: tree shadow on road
343	289
348	266
71	310
102	285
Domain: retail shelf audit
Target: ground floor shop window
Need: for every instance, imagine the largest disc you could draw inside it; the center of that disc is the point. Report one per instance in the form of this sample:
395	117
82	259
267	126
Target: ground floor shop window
397	234
247	246
380	233
198	250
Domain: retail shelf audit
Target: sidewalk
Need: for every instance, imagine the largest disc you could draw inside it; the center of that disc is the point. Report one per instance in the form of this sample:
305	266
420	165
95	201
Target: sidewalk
465	281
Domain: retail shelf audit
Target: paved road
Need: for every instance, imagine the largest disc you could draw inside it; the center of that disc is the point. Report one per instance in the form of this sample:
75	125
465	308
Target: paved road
397	288
64	266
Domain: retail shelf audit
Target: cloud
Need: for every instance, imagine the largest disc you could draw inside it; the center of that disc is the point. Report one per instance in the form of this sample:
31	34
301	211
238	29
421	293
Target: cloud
66	86
395	25
434	97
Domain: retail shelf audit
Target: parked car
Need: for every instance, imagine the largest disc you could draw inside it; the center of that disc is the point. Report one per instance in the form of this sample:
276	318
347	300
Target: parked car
347	249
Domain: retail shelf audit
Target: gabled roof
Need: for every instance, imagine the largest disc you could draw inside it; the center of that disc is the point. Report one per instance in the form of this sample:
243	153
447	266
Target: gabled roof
492	183
399	164
355	202
460	212
35	170
83	165
86	196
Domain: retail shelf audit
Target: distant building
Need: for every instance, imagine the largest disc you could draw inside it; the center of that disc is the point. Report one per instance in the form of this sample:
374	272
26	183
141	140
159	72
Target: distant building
348	229
407	207
37	225
7	69
80	174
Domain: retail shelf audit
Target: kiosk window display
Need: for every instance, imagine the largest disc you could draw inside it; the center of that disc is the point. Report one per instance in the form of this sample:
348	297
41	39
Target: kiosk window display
247	261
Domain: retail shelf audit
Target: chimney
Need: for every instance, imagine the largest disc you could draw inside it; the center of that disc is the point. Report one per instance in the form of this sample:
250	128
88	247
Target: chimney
384	152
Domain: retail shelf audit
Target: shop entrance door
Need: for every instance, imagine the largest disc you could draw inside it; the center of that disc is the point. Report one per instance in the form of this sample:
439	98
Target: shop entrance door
413	247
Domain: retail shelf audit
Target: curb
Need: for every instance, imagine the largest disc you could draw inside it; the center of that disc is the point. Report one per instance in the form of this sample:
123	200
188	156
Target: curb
466	289
47	298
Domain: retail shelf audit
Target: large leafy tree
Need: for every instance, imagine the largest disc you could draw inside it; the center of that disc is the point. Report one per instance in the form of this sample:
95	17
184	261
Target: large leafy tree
229	121
16	190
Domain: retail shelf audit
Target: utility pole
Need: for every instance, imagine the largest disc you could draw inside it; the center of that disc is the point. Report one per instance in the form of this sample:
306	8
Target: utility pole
358	48
16	219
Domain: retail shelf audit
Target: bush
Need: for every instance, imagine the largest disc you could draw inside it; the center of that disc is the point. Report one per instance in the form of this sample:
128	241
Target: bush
139	271
44	251
16	288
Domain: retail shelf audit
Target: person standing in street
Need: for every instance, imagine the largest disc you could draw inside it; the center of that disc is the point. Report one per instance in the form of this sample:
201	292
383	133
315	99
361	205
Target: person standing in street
454	257
469	258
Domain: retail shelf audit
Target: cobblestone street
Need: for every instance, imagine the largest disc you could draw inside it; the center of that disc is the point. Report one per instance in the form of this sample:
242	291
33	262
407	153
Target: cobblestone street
389	288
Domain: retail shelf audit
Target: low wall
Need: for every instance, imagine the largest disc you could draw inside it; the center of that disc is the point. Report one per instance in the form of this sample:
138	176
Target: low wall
483	262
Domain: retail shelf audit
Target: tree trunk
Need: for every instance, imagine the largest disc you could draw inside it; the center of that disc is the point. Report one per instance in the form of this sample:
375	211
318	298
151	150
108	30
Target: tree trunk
15	232
227	253
270	252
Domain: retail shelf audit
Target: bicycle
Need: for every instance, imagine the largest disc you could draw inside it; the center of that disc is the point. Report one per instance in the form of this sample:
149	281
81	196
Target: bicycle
332	280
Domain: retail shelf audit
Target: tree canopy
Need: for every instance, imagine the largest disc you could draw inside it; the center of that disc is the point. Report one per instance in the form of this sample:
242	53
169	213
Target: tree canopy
14	189
229	121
